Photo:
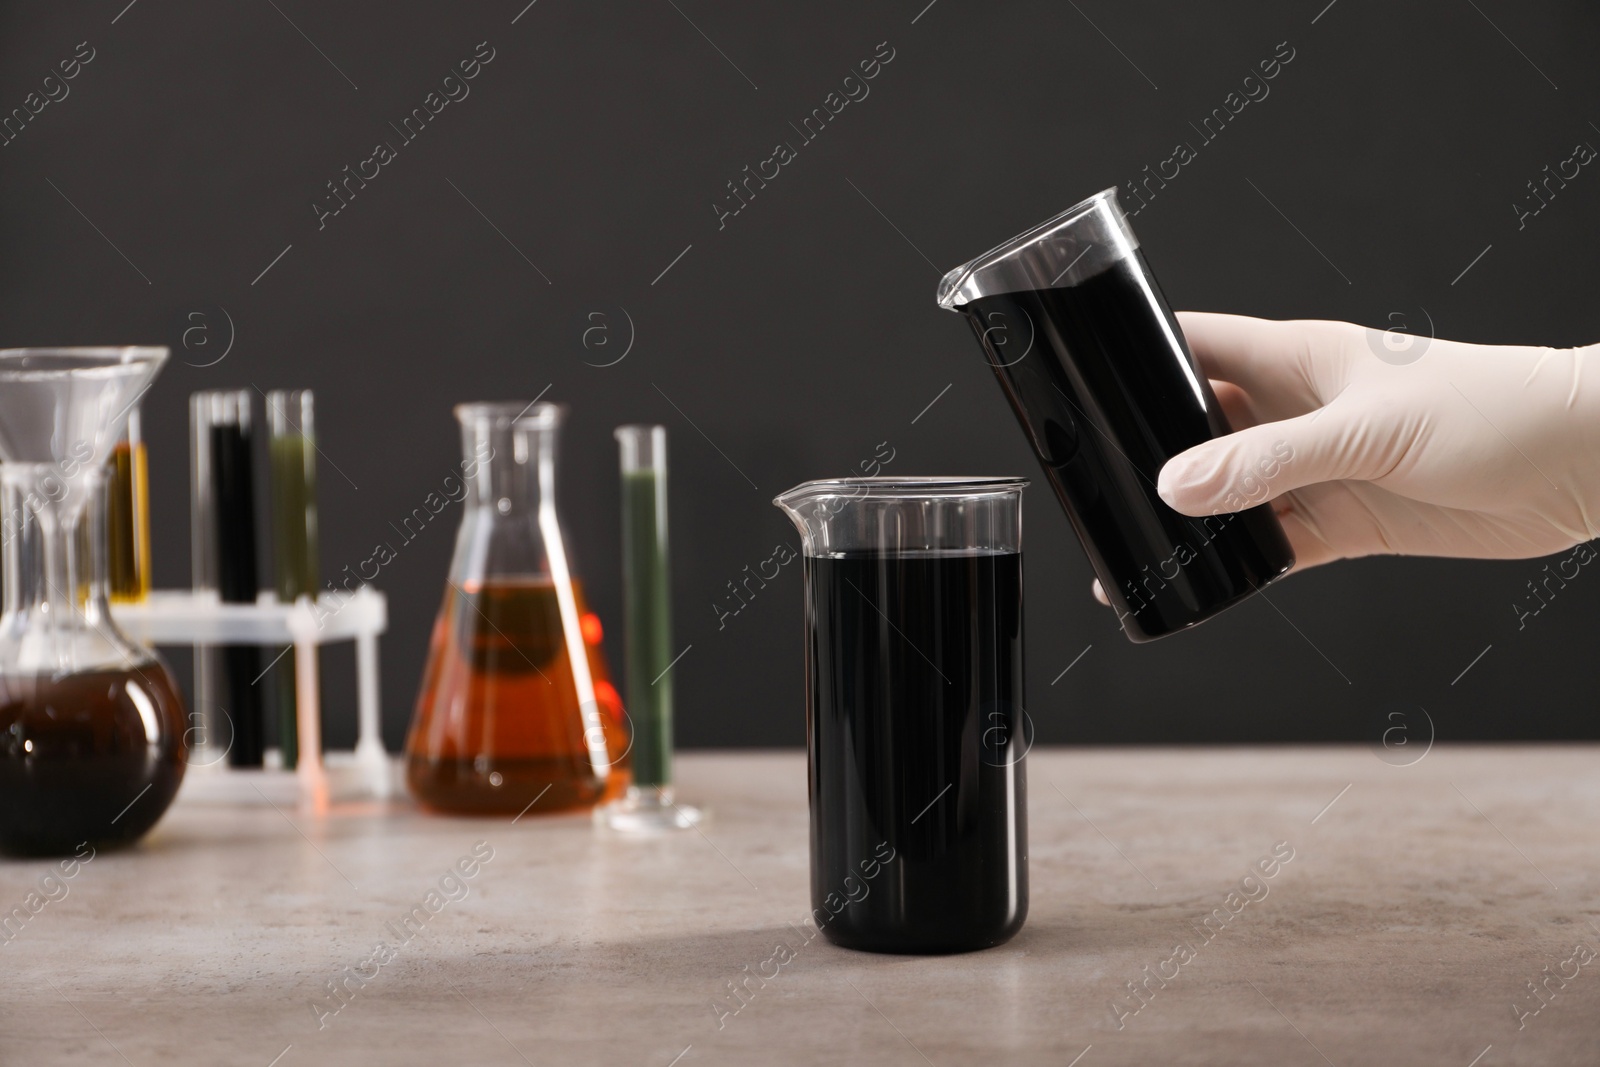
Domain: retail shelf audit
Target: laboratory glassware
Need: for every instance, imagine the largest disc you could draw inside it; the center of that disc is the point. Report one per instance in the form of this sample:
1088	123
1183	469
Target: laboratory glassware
650	805
128	515
292	449
916	727
1096	368
91	724
223	438
516	712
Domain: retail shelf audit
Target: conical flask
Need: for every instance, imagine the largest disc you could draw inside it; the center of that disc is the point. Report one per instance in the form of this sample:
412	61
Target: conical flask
91	725
517	711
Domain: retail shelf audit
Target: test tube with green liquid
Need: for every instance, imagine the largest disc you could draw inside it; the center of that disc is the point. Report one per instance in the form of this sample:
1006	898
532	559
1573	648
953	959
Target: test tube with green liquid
650	804
291	440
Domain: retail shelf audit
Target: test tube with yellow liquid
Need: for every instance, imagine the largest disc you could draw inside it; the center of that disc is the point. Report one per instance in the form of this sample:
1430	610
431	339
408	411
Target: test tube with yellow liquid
128	516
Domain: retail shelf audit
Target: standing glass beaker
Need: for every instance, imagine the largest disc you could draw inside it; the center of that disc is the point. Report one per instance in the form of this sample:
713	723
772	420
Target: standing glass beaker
517	711
915	728
1096	368
91	725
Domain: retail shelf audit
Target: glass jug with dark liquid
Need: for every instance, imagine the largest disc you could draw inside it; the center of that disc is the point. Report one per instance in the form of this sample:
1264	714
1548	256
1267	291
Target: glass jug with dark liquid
1098	373
91	725
517	711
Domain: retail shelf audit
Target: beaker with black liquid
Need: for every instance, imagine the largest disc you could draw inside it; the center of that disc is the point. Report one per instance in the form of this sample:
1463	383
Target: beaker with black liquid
915	727
1100	377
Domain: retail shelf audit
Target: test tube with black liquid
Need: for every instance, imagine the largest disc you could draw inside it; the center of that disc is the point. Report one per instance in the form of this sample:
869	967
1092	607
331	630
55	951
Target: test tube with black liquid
223	430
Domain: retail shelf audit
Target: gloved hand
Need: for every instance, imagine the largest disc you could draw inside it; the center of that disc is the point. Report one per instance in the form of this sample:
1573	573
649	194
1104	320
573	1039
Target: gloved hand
1370	442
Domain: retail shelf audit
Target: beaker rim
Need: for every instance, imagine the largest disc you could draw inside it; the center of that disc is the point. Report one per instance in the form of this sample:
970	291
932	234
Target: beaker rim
954	279
931	487
516	412
46	362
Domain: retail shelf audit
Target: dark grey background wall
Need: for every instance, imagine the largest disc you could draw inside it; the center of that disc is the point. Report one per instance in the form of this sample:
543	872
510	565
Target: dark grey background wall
178	176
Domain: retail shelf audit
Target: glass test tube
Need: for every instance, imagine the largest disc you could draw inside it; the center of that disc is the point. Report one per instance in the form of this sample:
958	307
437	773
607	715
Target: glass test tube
291	441
646	600
649	805
128	516
210	740
223	419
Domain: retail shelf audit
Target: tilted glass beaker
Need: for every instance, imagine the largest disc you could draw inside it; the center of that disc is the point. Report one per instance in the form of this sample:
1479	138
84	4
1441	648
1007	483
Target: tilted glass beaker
1100	377
91	724
517	711
915	728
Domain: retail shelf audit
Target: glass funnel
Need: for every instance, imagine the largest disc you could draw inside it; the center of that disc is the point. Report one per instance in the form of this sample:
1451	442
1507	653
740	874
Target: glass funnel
517	711
91	725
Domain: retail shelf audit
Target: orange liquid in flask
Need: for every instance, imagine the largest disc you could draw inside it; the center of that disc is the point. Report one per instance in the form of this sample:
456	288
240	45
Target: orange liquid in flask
499	724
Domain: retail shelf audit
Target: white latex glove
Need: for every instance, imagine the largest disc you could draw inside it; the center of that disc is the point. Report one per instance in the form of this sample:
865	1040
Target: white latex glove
1433	448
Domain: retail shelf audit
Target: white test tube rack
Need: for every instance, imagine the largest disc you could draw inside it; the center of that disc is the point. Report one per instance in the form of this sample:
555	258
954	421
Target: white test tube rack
202	619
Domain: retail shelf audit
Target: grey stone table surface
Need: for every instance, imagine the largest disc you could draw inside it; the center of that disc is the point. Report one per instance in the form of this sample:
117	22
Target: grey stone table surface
1360	913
